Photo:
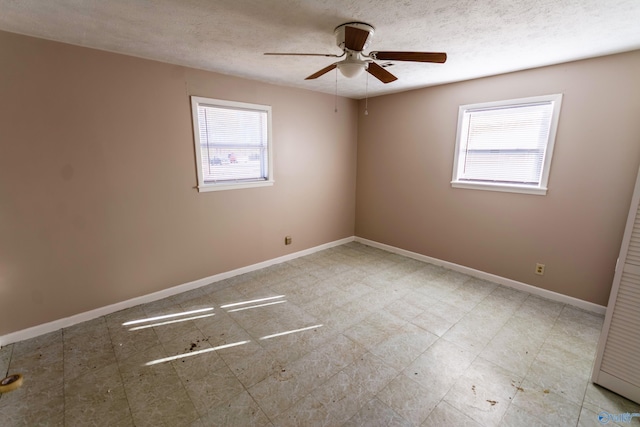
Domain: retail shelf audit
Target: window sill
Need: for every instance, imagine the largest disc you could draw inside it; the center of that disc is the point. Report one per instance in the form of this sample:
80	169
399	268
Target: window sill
233	186
508	188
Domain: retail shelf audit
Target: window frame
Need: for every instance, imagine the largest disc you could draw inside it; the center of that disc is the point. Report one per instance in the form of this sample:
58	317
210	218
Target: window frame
204	186
465	111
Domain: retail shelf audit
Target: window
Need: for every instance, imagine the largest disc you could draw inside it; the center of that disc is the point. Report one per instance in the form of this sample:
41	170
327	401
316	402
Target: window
506	145
232	144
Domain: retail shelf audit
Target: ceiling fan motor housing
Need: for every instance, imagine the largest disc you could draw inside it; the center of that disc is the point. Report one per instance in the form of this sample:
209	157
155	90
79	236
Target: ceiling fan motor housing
339	32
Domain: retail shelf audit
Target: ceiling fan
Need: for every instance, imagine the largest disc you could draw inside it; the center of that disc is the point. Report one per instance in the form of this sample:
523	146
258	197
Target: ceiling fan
353	38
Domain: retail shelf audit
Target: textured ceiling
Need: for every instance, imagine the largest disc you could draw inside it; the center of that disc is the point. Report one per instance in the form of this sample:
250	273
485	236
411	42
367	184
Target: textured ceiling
481	37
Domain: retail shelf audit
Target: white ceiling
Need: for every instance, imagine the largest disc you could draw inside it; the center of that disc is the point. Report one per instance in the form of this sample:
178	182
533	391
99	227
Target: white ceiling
481	37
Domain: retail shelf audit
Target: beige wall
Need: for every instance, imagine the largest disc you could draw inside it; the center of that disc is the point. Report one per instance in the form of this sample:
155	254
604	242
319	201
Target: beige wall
97	176
405	158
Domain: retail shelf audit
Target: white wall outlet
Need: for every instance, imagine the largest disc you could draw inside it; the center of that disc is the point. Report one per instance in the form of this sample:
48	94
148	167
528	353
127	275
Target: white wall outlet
540	269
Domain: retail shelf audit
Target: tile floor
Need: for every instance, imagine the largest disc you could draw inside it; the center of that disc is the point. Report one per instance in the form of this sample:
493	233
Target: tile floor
375	339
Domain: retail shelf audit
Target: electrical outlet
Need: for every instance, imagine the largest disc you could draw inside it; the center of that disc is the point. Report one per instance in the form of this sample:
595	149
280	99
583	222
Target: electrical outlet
540	269
287	240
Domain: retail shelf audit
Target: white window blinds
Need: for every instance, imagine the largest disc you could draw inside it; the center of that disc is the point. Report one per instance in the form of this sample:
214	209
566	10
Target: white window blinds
505	144
232	142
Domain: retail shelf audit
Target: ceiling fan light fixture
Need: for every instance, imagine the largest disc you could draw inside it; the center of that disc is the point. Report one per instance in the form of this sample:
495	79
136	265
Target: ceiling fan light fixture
352	69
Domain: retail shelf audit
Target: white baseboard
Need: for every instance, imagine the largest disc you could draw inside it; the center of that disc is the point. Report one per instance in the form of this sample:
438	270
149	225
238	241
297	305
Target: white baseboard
102	311
554	296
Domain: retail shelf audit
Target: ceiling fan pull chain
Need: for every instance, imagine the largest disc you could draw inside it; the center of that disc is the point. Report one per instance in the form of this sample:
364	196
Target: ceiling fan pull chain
366	96
336	101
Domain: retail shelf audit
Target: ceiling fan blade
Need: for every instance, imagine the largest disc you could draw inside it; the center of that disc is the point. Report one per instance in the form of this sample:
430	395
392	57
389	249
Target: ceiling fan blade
328	55
355	38
438	57
380	73
321	72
